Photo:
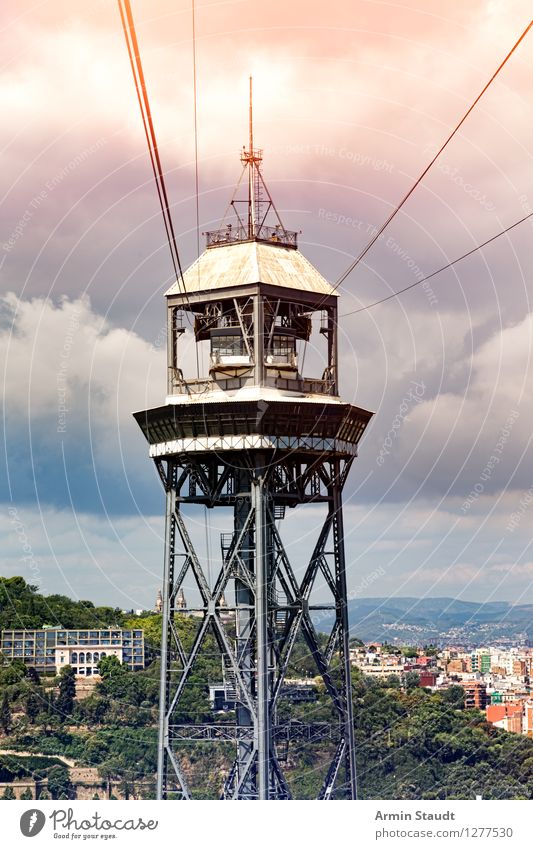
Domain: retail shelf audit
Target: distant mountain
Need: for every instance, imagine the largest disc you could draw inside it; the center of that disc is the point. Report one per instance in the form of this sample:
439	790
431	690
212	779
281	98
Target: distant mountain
436	620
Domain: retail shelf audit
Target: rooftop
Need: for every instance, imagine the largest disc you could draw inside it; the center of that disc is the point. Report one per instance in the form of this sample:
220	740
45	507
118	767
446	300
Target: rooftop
241	263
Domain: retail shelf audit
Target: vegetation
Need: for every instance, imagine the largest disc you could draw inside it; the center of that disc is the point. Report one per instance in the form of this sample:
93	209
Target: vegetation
13	767
5	714
411	743
21	606
64	702
59	785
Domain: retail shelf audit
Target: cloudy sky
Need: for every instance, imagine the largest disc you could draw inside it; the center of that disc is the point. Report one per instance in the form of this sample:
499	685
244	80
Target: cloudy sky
351	100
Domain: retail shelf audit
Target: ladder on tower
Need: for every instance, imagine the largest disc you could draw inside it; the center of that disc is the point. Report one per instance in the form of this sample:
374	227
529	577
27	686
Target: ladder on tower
230	680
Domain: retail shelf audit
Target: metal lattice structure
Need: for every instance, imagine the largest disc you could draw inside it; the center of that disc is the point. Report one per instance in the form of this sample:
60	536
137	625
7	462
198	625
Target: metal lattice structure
254	436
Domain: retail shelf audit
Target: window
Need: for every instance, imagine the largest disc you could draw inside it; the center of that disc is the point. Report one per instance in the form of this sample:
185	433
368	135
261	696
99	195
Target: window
283	346
74	657
227	346
82	657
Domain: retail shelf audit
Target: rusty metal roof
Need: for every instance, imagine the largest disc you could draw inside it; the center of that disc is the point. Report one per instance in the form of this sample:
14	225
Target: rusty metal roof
245	263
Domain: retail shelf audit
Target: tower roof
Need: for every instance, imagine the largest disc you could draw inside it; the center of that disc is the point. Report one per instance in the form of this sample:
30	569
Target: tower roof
249	262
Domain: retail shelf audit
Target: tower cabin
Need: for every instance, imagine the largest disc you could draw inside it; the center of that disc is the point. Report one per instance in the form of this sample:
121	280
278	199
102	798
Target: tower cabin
261	307
253	296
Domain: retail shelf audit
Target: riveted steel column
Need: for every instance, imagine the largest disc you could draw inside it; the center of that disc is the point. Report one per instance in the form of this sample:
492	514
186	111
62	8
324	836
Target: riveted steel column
164	679
262	647
344	635
259	340
244	604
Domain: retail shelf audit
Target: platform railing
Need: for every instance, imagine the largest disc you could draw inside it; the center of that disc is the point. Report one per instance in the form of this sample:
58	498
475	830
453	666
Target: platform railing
202	386
230	234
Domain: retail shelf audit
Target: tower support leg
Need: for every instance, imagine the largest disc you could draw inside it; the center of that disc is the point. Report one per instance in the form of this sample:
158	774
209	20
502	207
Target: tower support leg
344	635
164	675
264	724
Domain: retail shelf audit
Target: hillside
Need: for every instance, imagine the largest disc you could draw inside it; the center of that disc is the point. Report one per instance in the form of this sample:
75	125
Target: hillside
411	744
21	606
437	620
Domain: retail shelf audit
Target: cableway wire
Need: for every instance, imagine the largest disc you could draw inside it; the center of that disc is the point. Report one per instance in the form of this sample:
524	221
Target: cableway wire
207	528
196	177
128	27
439	270
395	211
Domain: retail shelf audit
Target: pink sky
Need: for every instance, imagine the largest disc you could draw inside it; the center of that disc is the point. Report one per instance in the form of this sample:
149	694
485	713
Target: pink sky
350	100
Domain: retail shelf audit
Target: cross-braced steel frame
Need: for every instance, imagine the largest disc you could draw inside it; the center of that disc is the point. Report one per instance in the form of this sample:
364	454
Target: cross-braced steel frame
271	608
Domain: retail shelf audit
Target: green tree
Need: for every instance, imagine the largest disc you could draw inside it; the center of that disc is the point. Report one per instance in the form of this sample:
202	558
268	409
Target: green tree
5	714
59	784
48	719
93	710
454	696
108	770
33	675
409	651
126	787
33	707
12	674
111	666
411	680
27	794
67	691
9	793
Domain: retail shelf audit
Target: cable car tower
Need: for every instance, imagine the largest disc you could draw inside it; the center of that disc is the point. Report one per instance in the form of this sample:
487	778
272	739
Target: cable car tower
255	436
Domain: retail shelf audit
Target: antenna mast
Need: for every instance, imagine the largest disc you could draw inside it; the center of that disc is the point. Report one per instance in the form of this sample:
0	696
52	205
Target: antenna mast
252	158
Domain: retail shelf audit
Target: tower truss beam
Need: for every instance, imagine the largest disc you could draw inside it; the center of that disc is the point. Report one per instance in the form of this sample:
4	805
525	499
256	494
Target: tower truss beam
256	635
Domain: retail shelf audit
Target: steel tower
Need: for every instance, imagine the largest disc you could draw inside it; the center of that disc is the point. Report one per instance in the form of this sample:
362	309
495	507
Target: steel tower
254	436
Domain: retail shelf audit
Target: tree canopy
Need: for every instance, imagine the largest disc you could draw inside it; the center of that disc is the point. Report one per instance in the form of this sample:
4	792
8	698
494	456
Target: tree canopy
22	606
